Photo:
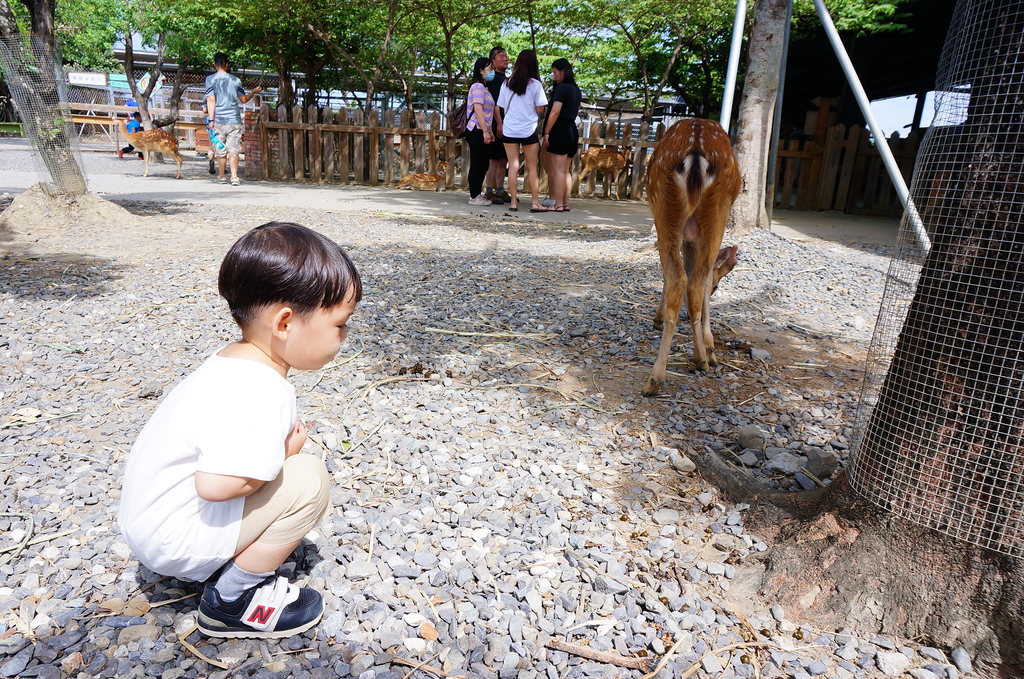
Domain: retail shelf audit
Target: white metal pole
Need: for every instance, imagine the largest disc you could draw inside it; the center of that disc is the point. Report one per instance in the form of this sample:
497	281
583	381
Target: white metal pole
880	142
734	63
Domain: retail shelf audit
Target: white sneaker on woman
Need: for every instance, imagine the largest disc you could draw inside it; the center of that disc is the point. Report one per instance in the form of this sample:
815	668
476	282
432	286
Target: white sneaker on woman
480	200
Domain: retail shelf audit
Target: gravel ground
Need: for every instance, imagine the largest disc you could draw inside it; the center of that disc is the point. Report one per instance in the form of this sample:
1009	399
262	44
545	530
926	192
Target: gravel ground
500	482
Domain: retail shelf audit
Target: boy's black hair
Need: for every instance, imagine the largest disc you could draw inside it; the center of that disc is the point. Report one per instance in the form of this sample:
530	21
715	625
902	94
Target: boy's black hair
220	60
282	262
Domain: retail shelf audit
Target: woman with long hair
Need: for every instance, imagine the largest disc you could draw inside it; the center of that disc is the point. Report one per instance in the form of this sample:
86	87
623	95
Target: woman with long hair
481	112
561	138
522	100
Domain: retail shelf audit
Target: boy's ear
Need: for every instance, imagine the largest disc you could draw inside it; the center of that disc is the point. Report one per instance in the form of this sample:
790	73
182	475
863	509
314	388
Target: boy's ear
281	320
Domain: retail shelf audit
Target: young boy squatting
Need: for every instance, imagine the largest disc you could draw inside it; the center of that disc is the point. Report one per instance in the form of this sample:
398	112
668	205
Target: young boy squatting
215	479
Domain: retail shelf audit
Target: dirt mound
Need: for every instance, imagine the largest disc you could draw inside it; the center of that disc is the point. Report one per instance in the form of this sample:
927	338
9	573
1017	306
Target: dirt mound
35	208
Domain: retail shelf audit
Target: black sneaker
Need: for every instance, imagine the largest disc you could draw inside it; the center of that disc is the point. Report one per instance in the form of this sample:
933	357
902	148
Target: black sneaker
213	167
272	609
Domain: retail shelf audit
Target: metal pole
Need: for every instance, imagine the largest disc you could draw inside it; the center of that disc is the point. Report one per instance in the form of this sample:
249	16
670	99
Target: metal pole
773	152
734	63
880	142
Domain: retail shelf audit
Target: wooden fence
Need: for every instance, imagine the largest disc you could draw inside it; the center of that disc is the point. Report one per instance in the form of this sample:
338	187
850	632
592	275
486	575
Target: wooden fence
346	146
844	172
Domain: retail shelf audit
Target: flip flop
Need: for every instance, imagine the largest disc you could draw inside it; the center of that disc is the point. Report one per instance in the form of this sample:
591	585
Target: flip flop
539	209
514	208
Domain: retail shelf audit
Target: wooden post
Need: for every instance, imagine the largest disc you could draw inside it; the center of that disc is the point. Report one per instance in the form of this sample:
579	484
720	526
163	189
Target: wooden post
264	142
449	173
316	161
405	152
576	166
790	176
389	147
432	147
374	149
330	152
639	163
850	146
358	150
284	157
344	147
299	144
420	143
829	168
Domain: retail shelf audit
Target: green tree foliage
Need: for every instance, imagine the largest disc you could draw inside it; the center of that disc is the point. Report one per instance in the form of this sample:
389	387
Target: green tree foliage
85	42
627	53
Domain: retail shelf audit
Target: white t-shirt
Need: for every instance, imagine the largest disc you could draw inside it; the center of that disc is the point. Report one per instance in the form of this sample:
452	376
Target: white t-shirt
520	110
231	417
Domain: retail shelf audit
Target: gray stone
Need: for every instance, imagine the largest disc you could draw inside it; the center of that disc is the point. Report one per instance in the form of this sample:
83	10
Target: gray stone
892	664
750	436
962	660
784	463
665	517
821	462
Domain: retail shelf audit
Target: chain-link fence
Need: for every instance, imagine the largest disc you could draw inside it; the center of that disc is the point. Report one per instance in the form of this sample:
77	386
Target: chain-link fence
37	84
942	411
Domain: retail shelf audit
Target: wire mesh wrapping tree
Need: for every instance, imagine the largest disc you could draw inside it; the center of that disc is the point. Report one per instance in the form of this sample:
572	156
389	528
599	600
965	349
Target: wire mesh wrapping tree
943	441
32	68
930	554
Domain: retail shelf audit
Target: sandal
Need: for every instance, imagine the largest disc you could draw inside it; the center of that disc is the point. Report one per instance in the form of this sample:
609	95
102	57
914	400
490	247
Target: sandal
514	206
560	208
539	209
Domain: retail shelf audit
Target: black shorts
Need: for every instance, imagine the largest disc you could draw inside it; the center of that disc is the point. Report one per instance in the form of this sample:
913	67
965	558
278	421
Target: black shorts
496	150
525	141
564	138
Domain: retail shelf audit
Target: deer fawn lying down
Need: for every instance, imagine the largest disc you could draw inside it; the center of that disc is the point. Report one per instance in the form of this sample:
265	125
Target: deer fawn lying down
603	160
692	181
422	181
425	181
159	140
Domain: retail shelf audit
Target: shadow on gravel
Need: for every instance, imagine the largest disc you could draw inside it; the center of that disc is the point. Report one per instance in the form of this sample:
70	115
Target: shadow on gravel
24	274
153	208
586	233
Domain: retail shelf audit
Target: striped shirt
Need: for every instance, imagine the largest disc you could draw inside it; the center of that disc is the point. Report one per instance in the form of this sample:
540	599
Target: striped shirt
478	94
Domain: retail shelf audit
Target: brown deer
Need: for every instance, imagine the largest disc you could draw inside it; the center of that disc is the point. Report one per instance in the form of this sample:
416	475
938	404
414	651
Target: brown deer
603	160
692	181
147	141
422	181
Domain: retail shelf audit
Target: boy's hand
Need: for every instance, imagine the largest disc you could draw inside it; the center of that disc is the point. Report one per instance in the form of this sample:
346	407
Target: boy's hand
295	440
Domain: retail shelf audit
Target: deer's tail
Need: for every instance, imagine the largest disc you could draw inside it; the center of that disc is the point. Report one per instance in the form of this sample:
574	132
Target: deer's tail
693	174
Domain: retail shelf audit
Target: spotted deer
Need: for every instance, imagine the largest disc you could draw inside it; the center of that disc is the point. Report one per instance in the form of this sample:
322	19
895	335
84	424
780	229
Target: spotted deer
611	160
425	181
692	181
158	140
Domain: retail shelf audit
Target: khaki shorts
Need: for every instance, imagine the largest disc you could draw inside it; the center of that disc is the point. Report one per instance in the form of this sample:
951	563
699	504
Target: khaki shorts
282	511
231	136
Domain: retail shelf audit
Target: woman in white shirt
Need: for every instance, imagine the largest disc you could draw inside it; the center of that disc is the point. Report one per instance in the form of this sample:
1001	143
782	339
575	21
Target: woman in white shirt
521	101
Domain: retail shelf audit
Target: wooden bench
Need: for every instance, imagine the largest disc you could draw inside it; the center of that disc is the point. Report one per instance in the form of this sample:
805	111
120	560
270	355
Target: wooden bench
16	129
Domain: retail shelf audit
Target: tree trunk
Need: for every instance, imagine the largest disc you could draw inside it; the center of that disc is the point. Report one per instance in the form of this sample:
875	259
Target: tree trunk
757	105
838	561
929	545
32	72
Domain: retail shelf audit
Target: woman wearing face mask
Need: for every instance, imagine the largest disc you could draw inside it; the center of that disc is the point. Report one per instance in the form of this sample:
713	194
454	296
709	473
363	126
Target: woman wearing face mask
481	112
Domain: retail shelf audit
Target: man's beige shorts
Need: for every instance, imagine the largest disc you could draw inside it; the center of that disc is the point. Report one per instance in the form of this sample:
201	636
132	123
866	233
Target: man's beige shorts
282	511
231	136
